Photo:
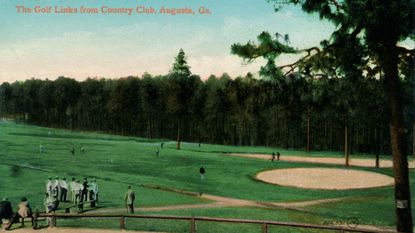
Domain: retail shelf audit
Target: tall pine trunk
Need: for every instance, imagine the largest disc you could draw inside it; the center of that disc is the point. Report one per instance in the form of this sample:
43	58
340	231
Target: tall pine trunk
413	138
308	132
398	140
178	135
346	145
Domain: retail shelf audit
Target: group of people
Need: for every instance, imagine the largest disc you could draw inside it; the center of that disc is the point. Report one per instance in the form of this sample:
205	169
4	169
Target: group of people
7	216
273	156
58	191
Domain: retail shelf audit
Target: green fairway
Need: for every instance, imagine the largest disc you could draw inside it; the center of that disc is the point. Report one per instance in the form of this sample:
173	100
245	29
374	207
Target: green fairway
117	162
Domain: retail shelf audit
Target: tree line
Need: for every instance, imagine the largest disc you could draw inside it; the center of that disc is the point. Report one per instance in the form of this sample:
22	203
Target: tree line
293	112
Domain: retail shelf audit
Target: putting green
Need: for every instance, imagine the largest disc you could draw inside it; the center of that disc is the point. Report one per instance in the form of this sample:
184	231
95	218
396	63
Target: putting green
325	178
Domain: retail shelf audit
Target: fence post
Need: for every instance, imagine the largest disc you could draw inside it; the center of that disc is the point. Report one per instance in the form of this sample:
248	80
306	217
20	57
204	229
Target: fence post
53	221
122	222
34	220
192	225
264	228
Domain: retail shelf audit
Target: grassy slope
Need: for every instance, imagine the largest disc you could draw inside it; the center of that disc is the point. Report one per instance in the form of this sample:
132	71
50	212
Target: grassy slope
117	161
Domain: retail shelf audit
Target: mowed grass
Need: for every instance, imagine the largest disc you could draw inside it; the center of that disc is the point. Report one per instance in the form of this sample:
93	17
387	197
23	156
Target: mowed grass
117	162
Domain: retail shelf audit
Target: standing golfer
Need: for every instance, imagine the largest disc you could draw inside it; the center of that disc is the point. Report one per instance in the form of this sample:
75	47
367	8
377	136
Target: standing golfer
64	190
273	157
129	200
73	188
49	186
202	172
278	156
84	192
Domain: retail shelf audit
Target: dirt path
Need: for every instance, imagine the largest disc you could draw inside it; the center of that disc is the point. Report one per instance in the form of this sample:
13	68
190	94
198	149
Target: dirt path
221	202
383	163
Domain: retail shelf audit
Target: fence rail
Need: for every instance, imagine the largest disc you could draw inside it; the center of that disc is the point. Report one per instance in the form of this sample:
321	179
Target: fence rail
193	222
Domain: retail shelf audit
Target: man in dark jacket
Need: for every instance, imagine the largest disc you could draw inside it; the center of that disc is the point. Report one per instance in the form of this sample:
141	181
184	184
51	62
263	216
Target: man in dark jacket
84	196
6	214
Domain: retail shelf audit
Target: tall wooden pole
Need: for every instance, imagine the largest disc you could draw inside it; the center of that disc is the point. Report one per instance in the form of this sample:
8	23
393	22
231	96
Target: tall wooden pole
413	138
308	132
178	136
346	145
398	140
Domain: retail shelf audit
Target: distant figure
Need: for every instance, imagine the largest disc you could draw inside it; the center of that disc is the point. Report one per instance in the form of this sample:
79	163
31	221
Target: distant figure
158	152
64	189
129	200
82	149
377	160
73	151
202	172
162	145
6	214
278	156
41	148
273	157
25	210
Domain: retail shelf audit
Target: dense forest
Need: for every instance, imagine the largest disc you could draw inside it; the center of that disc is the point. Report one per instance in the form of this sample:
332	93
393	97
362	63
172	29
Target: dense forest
296	111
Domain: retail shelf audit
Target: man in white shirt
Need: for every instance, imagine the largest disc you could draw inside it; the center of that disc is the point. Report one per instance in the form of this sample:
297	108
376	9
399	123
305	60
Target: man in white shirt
49	186
95	190
64	189
78	191
129	200
73	188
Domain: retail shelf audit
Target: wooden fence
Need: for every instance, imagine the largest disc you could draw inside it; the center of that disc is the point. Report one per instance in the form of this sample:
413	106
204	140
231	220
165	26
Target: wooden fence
263	225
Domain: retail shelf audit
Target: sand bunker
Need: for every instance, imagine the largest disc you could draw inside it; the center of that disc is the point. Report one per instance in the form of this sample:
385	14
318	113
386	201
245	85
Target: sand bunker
325	178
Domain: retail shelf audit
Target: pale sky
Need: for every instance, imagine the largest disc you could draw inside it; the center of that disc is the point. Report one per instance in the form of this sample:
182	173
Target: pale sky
111	46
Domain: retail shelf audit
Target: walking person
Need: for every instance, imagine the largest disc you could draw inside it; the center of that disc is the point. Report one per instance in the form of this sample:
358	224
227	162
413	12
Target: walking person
129	200
278	156
273	157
